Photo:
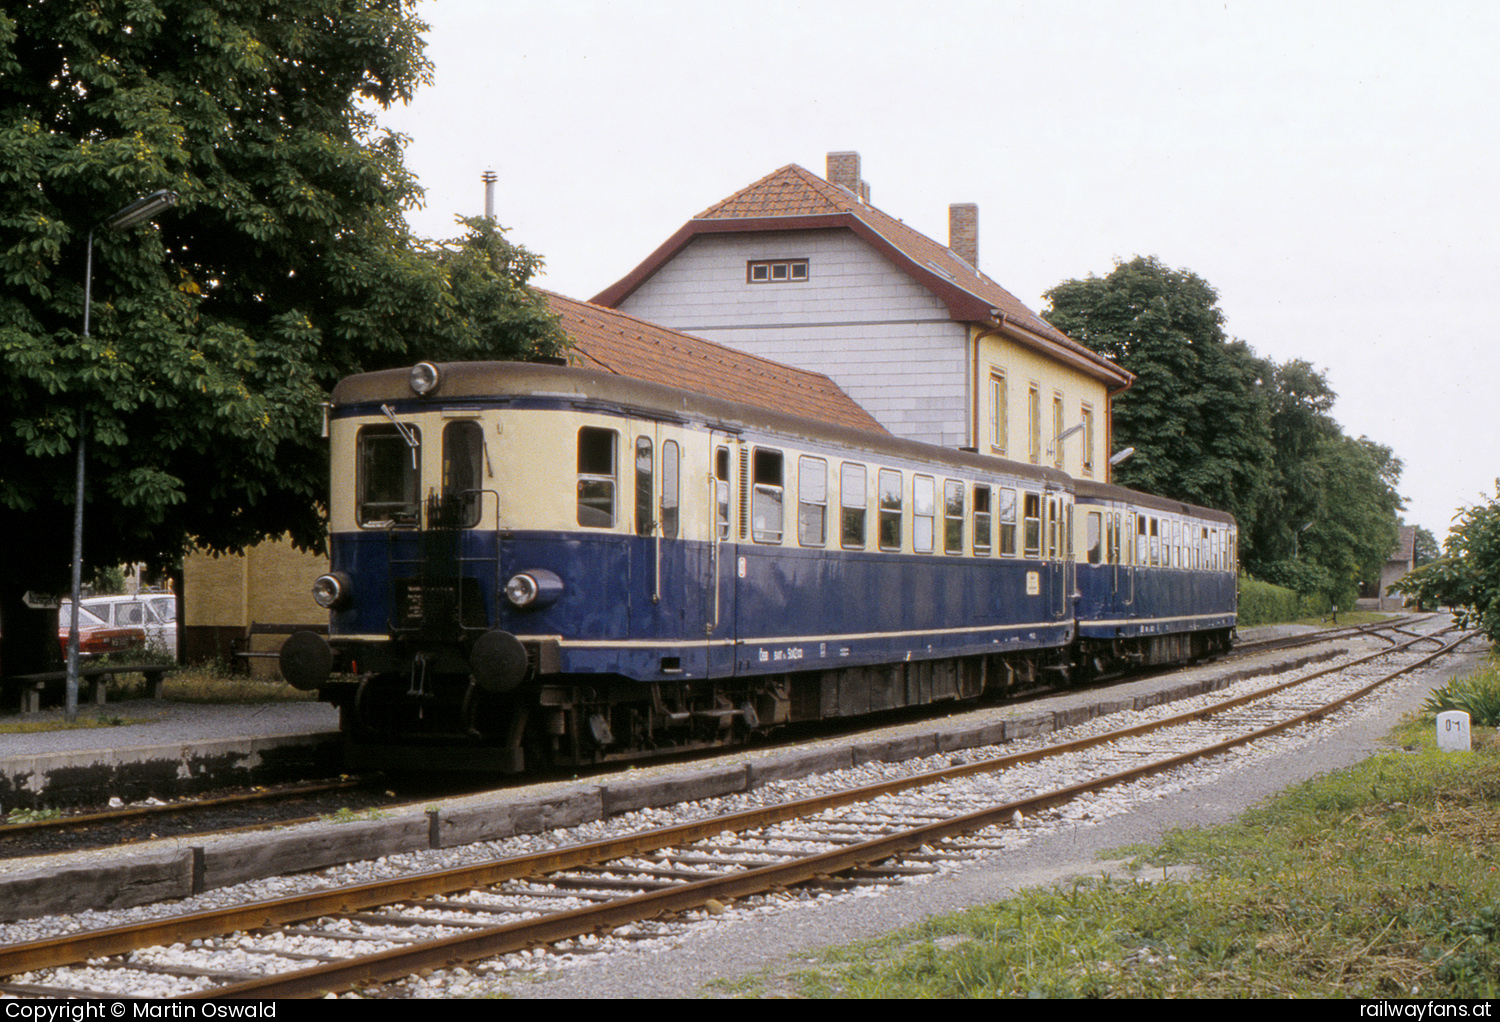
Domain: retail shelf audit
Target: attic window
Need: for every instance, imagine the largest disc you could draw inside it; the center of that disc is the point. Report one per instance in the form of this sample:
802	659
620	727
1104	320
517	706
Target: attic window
776	271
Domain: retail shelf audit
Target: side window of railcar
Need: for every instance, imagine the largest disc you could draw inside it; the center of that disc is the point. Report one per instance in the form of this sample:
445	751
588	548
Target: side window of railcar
953	517
645	464
1093	536
923	513
1007	522
890	509
389	486
1054	523
812	501
854	497
766	507
671	460
1140	541
982	522
1155	542
1032	514
596	477
463	475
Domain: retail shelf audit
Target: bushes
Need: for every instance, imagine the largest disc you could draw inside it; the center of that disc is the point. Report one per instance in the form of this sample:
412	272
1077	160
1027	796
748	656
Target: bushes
1262	603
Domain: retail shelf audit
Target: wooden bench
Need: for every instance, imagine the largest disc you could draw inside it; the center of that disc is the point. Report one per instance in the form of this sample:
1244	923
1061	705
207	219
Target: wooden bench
95	676
241	653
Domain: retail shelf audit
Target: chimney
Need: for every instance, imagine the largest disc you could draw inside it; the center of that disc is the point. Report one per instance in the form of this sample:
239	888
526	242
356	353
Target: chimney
843	170
963	231
489	178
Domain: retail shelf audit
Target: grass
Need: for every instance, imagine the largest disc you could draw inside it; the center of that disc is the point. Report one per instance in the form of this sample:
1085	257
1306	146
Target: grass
1376	881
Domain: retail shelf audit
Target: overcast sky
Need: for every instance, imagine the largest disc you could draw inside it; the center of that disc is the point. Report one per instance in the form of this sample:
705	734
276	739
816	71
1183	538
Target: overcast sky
1330	168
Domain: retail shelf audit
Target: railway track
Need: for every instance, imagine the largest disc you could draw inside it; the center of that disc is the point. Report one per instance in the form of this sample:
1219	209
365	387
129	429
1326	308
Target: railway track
355	937
289	805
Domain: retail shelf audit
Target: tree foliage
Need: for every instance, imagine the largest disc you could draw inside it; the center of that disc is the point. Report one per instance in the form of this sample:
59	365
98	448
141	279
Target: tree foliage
1214	424
1467	576
218	328
1196	414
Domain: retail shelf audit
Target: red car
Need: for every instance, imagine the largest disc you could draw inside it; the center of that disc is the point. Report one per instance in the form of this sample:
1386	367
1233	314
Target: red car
95	636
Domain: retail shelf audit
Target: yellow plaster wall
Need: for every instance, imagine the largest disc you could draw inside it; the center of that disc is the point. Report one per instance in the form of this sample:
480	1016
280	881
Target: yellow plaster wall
1023	367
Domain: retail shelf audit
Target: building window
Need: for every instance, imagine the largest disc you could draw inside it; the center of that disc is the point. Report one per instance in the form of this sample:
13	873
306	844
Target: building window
1088	439
1034	421
997	411
776	271
1057	430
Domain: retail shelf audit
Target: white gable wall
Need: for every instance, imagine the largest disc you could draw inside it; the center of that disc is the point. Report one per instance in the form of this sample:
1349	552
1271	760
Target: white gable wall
857	319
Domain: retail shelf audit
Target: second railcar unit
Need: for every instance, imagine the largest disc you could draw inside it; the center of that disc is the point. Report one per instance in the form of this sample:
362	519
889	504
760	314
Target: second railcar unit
539	562
1158	580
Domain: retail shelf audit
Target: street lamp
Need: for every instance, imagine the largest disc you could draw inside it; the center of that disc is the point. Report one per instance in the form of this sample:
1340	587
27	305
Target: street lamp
138	211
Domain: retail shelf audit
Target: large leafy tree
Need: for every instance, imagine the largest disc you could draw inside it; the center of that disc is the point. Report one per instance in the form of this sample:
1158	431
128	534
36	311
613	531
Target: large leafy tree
1467	576
1197	413
218	328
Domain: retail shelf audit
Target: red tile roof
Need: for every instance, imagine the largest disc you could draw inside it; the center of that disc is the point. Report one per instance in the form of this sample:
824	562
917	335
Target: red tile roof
615	342
794	198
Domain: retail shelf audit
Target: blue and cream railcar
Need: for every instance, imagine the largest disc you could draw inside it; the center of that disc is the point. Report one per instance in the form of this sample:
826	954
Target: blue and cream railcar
1157	582
532	561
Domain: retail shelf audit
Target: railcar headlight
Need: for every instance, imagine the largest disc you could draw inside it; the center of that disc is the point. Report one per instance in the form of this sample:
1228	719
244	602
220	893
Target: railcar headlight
521	590
332	591
424	378
533	589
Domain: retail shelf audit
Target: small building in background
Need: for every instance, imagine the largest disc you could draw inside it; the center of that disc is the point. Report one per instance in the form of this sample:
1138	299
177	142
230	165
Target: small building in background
1402	560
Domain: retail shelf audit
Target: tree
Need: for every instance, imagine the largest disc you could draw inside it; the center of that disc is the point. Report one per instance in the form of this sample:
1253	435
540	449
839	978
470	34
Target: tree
1467	576
1299	401
1354	525
1196	414
1425	548
218	328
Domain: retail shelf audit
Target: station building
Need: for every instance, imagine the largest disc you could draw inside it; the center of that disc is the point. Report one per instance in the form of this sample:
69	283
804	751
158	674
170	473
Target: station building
804	270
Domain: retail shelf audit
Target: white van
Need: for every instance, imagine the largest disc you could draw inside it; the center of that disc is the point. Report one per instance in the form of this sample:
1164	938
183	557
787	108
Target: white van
155	612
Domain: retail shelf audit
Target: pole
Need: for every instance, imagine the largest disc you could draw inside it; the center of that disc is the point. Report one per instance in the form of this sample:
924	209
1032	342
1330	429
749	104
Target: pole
71	708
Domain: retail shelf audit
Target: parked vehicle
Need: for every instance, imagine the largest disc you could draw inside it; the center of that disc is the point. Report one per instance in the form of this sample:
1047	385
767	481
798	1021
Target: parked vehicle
154	612
96	636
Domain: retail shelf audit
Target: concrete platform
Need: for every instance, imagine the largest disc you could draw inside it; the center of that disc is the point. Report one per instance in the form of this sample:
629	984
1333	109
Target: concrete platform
178	744
162	749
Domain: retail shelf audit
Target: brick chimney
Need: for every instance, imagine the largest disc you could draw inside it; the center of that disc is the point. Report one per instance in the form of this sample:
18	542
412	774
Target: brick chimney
843	170
963	231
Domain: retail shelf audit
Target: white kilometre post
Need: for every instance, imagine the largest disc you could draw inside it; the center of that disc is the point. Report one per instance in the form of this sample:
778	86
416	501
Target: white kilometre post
1453	731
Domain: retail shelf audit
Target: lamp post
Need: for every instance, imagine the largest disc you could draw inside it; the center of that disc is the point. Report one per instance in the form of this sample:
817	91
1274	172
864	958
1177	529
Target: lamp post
140	210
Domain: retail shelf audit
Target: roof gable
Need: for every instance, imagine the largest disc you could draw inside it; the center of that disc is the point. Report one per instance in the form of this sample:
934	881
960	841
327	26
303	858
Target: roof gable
618	343
794	198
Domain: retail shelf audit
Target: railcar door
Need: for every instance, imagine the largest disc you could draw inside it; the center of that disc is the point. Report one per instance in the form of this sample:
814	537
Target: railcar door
720	574
1056	568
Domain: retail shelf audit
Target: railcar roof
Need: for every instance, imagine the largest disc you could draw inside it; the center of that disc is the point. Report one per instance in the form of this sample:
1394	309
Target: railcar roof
1086	488
467	382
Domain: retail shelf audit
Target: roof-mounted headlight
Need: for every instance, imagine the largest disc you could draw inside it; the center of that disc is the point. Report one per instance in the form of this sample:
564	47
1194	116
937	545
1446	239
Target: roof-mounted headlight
424	378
